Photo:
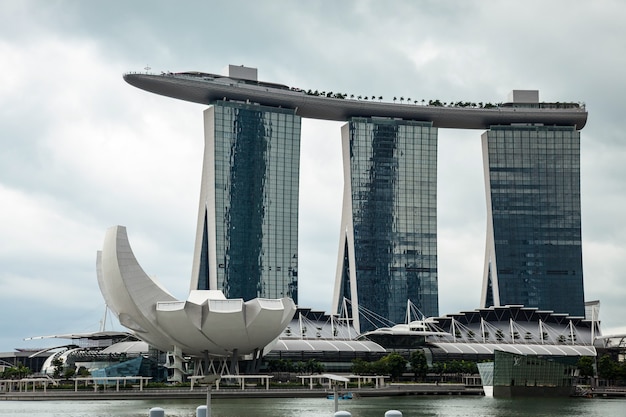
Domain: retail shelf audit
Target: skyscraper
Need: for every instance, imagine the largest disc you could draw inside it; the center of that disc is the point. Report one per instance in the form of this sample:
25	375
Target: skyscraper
246	243
247	233
534	253
388	249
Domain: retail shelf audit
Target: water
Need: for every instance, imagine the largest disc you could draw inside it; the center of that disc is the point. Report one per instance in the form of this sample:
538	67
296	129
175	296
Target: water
430	406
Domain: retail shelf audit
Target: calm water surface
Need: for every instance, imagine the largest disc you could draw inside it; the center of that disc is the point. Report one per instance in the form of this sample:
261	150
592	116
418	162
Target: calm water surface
299	407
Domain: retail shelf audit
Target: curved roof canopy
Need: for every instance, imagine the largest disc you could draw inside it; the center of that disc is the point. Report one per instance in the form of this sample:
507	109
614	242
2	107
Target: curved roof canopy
335	345
136	347
520	349
207	88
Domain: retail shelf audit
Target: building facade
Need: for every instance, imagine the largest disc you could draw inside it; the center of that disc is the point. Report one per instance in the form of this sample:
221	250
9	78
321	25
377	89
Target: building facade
533	253
247	238
246	242
388	247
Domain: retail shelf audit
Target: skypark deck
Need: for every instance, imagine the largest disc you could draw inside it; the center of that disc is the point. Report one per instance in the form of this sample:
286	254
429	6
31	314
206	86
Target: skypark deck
206	88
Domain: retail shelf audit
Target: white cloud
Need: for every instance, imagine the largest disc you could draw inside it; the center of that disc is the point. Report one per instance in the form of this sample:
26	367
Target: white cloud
38	227
42	290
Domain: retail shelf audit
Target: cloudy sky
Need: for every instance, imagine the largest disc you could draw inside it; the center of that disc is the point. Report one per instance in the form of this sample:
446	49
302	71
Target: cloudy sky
81	150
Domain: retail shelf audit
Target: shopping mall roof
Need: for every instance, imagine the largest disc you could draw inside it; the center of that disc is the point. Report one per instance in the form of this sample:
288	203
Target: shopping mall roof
330	345
520	349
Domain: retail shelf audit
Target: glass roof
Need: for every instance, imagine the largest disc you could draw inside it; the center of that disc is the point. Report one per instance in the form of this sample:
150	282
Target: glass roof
521	349
316	345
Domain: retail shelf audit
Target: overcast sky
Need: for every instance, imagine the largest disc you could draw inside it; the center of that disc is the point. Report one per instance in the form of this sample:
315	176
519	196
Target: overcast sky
81	150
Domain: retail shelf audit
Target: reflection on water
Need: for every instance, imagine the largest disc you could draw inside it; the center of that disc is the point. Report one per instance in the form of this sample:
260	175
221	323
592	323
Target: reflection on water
431	406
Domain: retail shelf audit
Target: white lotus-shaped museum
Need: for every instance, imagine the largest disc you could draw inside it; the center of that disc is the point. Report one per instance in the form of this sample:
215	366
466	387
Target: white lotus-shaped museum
205	324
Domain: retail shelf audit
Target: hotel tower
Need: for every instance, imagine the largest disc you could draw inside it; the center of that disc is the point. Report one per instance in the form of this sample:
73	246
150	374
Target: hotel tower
247	234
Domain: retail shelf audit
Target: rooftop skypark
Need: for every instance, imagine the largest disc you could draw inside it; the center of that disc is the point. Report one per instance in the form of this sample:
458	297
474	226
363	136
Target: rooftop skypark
423	102
205	88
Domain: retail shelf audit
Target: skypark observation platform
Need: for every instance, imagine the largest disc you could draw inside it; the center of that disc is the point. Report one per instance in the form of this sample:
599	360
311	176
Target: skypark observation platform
205	88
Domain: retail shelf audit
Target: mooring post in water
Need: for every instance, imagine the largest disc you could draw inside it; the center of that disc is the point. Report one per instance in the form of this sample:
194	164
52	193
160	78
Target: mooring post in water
201	411
205	410
156	412
208	400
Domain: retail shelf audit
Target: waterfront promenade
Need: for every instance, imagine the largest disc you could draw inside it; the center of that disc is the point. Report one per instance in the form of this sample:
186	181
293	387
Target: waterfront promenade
200	393
391	390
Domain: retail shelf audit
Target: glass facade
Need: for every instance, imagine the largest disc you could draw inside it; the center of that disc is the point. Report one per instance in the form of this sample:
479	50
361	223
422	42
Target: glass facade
256	178
129	368
511	370
393	216
534	252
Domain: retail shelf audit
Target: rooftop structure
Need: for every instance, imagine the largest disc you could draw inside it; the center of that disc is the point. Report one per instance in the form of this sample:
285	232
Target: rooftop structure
204	88
477	334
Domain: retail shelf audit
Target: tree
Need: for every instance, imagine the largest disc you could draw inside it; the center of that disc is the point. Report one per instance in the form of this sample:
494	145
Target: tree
57	363
280	365
465	367
395	364
299	367
82	371
379	367
314	366
16	372
585	367
607	368
439	368
69	372
418	362
360	367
